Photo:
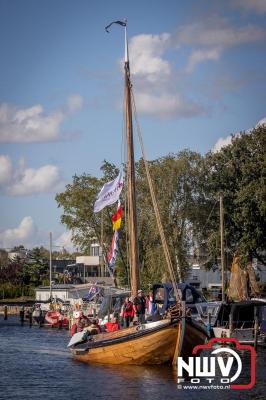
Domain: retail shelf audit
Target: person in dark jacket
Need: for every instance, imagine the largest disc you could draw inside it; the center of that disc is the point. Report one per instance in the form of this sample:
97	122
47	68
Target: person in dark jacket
140	306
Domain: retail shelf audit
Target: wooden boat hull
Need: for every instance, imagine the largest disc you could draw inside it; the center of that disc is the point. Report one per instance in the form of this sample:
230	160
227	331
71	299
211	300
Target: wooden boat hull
147	347
132	347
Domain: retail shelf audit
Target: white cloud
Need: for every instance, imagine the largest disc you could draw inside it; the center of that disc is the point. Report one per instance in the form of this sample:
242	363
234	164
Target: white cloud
41	180
154	80
21	181
166	105
214	36
29	235
5	169
74	103
157	85
146	54
199	56
216	32
261	122
258	6
32	124
223	142
22	234
64	240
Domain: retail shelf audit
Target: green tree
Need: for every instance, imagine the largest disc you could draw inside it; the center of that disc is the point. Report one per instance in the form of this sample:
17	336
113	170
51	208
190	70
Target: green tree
77	202
18	248
3	258
177	182
182	203
238	172
36	267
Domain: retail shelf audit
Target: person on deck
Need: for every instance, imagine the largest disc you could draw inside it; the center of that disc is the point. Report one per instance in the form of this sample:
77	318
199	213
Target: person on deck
140	306
128	311
98	325
151	305
112	326
93	327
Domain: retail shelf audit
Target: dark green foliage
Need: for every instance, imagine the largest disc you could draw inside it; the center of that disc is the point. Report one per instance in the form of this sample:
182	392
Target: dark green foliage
187	188
238	171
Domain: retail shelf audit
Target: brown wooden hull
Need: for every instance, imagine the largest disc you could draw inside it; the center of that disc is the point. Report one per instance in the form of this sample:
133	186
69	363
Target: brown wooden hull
158	346
155	347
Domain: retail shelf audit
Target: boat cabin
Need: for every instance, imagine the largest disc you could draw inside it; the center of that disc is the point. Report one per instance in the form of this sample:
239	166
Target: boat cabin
163	297
242	320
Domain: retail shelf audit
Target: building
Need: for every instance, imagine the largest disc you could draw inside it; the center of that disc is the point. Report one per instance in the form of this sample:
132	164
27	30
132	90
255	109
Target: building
211	280
60	265
62	292
67	292
201	278
92	265
18	255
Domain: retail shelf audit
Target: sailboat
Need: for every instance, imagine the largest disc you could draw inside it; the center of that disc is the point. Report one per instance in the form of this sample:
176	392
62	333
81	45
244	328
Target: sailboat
150	343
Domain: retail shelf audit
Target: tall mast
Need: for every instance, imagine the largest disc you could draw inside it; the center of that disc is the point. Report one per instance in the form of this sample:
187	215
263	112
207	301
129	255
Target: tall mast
134	256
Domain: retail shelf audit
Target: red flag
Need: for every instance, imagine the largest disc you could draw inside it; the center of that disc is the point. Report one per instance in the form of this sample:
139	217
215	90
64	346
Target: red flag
117	219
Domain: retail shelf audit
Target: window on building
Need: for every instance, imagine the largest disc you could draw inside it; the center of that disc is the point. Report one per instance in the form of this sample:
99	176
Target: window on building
95	251
194	277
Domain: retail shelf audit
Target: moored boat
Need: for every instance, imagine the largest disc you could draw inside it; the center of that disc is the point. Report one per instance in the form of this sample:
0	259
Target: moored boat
244	320
56	319
148	343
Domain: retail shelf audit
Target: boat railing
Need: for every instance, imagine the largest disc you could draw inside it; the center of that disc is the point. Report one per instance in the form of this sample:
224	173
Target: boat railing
243	324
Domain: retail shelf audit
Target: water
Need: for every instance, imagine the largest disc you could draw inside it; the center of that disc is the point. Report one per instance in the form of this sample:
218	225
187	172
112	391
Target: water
35	364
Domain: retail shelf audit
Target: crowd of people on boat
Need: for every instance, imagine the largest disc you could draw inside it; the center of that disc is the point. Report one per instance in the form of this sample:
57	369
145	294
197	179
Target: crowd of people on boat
133	311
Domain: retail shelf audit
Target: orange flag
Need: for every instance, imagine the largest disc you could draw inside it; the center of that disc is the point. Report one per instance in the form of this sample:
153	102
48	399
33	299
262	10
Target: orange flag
117	219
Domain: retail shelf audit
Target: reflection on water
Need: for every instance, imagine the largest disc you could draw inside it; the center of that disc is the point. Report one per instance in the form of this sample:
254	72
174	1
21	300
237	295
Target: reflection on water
35	364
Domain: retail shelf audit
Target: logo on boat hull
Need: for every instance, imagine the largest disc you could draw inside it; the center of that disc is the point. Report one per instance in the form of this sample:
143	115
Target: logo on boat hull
223	364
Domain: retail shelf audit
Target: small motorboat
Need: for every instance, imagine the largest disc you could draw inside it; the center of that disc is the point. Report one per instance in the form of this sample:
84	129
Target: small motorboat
56	319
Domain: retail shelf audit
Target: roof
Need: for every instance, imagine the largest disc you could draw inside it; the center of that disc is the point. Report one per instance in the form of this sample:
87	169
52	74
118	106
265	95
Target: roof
248	303
181	286
56	287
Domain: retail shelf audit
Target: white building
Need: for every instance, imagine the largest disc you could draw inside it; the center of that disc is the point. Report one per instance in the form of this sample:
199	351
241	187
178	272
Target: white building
65	292
14	255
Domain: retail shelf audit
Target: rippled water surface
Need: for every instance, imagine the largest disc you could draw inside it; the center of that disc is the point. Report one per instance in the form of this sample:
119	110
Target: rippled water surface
35	364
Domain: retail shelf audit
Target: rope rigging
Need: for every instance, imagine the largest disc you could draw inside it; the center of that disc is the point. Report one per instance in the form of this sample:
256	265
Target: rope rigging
154	202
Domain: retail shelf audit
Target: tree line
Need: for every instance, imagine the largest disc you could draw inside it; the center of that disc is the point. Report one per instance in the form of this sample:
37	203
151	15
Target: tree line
188	186
19	276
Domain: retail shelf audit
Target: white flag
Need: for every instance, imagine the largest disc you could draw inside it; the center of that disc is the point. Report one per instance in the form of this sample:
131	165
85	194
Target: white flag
109	193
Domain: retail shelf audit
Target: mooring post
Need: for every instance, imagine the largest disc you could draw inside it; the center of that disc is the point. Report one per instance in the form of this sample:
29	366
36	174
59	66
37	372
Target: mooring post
230	324
22	315
256	328
5	312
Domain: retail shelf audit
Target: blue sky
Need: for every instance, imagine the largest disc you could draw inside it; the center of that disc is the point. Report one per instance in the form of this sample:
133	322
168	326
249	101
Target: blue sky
198	70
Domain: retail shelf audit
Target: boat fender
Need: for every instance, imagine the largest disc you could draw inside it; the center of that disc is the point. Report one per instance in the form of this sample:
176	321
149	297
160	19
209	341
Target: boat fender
140	328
